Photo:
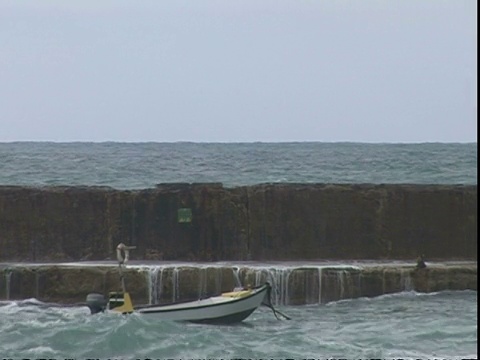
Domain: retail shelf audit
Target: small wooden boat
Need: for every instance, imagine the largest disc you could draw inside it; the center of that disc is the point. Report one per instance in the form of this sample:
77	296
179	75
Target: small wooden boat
225	308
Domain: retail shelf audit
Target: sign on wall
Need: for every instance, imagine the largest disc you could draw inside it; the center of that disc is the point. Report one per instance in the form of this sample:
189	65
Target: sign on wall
184	215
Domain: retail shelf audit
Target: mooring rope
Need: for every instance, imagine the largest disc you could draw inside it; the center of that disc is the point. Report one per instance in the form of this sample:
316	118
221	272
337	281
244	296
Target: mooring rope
270	305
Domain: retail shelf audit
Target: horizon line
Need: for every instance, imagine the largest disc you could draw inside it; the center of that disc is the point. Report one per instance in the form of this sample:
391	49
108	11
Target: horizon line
231	142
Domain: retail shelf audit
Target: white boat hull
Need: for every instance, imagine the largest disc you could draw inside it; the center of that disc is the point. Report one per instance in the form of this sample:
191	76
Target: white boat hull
217	309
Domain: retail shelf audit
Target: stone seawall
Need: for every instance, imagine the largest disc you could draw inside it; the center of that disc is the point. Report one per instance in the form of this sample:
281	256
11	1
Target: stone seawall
292	284
207	222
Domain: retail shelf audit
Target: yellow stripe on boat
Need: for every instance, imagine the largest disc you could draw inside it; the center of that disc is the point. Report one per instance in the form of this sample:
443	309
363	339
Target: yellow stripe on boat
240	293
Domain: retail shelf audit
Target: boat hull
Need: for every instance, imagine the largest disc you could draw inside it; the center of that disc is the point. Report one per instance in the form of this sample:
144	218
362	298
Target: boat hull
215	310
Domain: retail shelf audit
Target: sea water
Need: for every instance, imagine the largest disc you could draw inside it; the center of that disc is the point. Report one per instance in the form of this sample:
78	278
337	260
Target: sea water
412	325
143	165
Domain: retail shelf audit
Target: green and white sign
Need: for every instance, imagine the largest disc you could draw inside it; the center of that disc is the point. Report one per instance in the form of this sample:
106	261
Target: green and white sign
184	215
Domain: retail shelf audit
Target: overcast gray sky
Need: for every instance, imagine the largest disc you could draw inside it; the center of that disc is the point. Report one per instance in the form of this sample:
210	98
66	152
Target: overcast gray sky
336	70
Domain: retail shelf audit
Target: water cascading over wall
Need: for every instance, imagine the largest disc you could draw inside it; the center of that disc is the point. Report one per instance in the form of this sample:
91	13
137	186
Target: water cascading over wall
292	285
299	285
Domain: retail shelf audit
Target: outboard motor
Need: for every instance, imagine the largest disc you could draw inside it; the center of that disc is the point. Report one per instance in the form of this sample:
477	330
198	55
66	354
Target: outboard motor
96	303
118	301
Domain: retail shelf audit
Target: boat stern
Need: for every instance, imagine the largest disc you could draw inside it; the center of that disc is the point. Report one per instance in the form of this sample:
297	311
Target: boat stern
120	302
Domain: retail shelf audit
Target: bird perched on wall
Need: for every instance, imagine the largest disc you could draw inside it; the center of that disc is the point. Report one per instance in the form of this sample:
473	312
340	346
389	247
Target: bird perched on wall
421	262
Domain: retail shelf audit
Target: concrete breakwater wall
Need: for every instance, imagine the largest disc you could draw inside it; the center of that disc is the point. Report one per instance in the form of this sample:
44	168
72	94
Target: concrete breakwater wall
292	284
207	222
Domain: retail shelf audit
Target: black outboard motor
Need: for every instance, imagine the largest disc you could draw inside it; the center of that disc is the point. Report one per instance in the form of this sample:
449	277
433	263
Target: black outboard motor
96	303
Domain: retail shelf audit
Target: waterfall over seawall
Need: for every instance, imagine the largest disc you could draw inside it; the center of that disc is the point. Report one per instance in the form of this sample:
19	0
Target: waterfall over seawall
292	284
8	279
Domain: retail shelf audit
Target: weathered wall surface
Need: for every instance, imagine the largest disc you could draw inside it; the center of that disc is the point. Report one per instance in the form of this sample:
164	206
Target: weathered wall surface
263	222
291	286
362	221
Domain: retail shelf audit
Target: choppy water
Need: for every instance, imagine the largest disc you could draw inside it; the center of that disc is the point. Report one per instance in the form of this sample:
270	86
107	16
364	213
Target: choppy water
404	325
143	165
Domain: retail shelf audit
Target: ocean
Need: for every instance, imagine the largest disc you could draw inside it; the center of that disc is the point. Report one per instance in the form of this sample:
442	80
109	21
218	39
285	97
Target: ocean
143	165
411	325
406	325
